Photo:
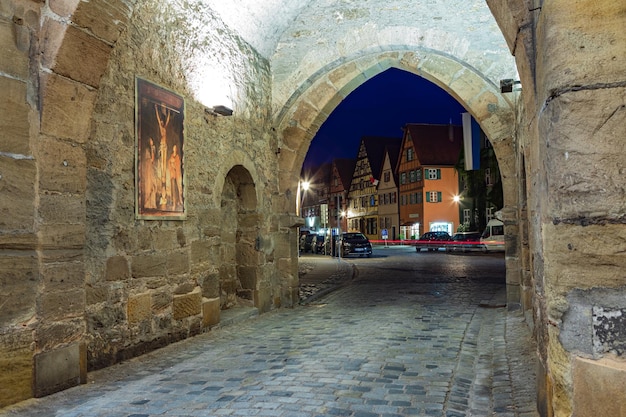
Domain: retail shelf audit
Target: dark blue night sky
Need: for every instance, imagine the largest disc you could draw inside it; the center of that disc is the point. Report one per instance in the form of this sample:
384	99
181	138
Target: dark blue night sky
381	107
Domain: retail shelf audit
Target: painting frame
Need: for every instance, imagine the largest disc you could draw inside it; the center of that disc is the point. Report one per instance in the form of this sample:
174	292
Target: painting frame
160	180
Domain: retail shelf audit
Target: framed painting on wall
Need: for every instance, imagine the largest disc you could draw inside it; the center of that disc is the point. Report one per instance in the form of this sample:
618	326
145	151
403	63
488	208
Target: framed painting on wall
159	153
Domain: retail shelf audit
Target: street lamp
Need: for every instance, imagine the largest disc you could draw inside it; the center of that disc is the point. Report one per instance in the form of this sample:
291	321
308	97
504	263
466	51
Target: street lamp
303	186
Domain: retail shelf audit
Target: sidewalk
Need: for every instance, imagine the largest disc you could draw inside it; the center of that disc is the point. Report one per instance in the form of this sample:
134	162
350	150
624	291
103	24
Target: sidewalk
321	274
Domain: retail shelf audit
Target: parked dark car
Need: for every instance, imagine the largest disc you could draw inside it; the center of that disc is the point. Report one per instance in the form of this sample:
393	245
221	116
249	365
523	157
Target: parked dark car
306	242
355	244
464	242
321	244
432	241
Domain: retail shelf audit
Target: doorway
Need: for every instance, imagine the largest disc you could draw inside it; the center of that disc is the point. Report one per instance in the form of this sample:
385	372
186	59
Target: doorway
238	251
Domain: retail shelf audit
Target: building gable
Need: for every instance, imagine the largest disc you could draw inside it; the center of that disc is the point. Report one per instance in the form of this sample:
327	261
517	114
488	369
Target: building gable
436	145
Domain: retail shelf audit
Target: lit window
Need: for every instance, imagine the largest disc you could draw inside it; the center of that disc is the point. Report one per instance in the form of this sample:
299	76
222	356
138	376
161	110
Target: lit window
409	154
433	197
467	216
434	174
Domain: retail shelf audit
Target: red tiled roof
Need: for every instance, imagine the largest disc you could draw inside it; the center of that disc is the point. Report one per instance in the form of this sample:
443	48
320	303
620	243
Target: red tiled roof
436	145
394	154
375	148
345	169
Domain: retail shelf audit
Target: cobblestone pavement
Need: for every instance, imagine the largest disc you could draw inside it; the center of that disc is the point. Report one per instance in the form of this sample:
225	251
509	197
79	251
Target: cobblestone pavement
369	349
320	274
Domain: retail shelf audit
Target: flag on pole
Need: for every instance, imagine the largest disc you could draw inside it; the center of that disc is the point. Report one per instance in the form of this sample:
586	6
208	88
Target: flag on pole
374	181
471	142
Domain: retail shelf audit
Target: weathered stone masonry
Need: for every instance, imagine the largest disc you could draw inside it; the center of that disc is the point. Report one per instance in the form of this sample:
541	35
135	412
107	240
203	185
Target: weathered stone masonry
99	285
572	153
85	284
174	265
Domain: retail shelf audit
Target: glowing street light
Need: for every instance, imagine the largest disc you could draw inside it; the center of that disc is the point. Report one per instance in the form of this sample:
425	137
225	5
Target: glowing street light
302	187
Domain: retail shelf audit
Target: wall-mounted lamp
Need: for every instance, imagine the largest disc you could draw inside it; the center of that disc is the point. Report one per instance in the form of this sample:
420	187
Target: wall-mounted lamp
509	85
219	111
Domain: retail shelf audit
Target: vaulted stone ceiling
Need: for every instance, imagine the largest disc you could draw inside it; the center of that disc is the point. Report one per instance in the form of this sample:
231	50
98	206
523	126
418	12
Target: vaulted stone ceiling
301	37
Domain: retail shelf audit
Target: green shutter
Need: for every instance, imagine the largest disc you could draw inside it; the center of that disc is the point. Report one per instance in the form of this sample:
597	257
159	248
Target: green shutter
438	195
438	175
427	197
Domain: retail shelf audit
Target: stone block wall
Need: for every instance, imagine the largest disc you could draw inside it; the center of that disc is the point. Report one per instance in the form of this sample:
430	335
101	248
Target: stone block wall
19	261
160	280
571	147
583	104
89	283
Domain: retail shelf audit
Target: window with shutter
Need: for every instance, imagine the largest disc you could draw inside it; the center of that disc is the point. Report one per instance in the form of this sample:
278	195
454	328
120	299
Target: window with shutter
433	196
434	174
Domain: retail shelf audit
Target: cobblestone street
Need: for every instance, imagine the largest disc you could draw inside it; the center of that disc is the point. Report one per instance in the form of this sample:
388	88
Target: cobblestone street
373	348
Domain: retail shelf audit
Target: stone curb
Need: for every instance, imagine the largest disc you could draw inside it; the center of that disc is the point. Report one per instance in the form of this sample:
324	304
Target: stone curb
337	280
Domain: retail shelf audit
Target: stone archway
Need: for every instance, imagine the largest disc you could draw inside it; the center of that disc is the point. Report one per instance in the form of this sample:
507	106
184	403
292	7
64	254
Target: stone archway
239	240
569	62
311	104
